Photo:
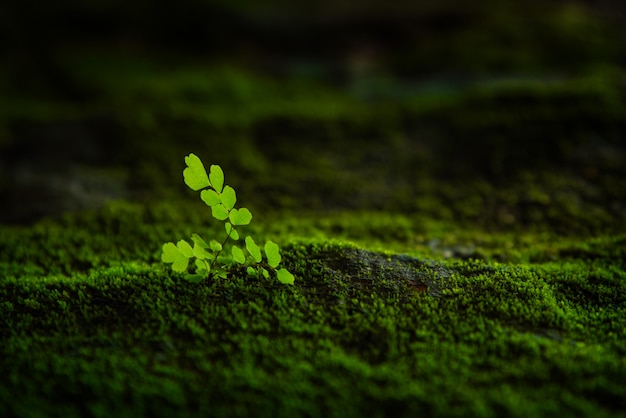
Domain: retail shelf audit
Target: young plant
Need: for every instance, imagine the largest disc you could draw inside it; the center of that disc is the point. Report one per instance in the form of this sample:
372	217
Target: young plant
212	258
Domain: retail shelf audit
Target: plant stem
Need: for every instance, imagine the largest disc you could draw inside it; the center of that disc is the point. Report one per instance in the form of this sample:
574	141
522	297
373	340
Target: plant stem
220	251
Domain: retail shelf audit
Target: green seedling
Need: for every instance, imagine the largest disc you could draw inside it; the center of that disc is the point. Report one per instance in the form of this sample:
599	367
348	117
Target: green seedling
212	259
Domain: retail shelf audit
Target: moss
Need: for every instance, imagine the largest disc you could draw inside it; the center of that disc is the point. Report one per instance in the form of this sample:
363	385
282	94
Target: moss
363	331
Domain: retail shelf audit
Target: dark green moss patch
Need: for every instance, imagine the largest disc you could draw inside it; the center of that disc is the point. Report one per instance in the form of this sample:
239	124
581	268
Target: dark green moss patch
361	333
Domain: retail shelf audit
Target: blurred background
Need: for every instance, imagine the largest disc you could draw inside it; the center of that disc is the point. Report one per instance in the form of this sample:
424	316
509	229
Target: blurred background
502	114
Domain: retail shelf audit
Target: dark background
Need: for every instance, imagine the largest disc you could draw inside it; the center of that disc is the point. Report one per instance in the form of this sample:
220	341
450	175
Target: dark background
504	113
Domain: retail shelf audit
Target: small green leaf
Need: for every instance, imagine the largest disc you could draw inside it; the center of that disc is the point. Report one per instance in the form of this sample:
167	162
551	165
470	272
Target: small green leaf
172	254
228	197
200	252
265	273
195	174
202	267
216	246
251	271
225	259
216	176
284	276
210	197
272	253
240	217
197	239
219	212
238	255
253	249
232	232
194	278
185	248
169	252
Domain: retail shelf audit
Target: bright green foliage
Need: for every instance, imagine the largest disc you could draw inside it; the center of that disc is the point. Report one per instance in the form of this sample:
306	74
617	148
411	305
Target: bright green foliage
215	246
238	255
240	217
210	259
253	249
284	276
272	254
228	197
195	174
210	197
219	212
174	254
216	177
232	232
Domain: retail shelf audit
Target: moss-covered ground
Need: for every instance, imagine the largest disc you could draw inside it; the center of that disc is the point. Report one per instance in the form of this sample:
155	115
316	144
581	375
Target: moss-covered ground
453	209
421	321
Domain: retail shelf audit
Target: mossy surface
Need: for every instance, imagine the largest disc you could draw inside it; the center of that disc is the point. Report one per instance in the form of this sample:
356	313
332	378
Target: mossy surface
448	186
93	324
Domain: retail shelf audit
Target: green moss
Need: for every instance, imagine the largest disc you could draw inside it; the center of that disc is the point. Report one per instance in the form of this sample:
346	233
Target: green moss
94	324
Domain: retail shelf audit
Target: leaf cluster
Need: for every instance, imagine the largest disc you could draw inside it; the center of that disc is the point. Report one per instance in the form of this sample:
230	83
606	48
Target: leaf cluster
212	259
